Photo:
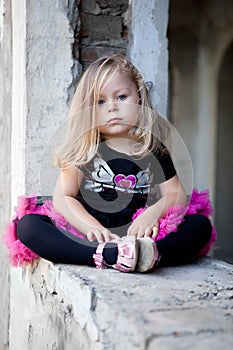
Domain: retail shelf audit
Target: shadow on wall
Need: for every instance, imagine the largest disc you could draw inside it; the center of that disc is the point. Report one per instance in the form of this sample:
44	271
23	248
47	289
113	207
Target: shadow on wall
205	119
224	168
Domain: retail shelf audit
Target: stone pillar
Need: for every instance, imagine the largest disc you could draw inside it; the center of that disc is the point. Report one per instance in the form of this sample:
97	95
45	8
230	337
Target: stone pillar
148	47
43	69
42	76
19	102
5	156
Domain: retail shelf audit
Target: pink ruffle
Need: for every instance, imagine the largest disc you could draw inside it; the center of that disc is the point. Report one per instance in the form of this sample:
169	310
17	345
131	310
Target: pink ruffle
20	255
199	204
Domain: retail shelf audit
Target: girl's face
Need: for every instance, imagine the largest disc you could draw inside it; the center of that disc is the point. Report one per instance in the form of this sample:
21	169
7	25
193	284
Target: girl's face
118	106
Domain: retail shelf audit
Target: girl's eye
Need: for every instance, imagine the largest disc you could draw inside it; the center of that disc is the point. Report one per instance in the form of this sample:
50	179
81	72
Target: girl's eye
100	102
122	97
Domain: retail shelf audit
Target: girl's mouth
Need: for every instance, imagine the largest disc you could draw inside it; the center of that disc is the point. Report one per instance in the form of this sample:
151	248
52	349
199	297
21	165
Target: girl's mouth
114	121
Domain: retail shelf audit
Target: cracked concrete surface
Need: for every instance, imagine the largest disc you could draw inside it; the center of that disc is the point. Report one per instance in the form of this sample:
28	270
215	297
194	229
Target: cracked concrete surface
77	307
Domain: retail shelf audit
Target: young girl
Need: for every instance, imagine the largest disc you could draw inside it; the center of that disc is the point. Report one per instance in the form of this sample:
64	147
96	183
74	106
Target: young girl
105	210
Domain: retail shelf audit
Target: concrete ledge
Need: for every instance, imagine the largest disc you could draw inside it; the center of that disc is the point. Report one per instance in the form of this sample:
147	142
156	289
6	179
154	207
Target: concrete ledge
68	307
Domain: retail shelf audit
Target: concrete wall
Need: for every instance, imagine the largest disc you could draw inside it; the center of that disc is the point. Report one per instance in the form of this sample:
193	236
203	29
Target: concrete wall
5	156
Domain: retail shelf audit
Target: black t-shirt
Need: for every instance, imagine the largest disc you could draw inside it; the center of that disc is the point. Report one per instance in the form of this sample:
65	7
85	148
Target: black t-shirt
115	184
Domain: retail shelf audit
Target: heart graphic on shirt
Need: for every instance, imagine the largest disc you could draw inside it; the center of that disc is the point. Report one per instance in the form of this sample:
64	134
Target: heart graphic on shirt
125	181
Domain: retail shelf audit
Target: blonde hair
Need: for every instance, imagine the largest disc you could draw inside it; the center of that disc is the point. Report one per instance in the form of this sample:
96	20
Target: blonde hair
82	136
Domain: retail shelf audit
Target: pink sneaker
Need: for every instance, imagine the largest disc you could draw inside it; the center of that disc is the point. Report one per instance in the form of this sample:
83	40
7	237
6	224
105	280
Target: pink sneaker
127	254
148	256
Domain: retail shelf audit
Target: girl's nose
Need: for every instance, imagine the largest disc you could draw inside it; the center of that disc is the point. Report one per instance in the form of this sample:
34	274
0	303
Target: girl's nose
112	106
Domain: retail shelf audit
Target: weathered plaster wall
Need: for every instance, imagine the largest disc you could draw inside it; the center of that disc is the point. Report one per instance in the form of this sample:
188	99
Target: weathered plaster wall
42	76
49	75
5	156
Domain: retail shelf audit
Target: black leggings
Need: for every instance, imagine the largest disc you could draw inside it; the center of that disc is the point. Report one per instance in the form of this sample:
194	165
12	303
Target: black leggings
38	233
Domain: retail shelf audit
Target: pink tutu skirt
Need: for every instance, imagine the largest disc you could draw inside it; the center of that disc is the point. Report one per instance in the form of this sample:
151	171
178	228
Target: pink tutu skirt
20	255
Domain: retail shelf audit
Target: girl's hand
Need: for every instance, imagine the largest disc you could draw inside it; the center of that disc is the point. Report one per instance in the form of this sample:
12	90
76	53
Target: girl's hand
101	235
144	226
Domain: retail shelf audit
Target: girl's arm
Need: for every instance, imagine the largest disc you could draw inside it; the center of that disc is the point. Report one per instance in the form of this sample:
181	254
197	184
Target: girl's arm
146	225
66	203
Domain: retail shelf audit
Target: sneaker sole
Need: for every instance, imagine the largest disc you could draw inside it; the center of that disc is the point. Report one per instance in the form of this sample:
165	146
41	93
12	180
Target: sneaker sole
146	256
136	246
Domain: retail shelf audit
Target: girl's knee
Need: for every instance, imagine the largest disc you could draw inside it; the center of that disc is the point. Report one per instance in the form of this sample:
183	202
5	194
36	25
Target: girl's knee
203	224
203	220
25	227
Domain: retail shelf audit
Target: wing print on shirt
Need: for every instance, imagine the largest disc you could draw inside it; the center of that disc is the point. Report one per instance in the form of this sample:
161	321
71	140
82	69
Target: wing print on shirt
103	177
